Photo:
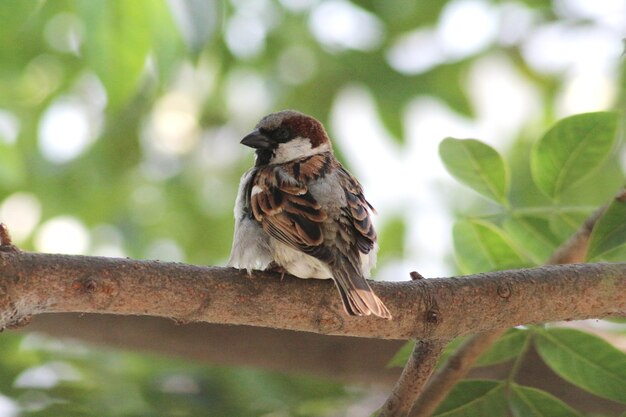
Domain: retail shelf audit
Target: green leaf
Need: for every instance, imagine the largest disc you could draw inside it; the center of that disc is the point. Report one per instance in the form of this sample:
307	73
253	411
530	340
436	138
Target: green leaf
476	165
117	43
450	349
617	254
402	355
481	246
474	398
609	232
506	348
563	224
572	150
532	402
584	360
533	234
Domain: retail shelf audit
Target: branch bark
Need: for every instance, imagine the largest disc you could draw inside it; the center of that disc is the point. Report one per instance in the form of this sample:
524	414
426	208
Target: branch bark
459	364
413	378
32	283
455	368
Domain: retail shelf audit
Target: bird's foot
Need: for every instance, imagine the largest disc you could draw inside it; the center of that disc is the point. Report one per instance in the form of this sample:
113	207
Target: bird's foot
274	267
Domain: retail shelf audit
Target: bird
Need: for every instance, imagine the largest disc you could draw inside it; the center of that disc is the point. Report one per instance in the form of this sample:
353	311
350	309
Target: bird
298	210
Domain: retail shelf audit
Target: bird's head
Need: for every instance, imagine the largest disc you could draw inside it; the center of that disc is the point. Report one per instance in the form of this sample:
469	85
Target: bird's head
286	136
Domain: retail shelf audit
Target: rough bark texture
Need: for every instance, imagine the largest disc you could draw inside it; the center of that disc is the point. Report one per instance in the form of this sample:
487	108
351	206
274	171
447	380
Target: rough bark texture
33	283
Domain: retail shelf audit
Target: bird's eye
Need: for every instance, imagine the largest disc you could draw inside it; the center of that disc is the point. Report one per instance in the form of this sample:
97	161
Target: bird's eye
281	134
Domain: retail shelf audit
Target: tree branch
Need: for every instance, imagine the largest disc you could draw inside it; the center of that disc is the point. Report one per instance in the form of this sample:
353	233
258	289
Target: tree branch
331	357
32	283
455	368
574	250
414	375
460	362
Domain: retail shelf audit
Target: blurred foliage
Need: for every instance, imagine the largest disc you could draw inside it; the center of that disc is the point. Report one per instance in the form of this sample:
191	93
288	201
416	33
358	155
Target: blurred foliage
159	92
51	378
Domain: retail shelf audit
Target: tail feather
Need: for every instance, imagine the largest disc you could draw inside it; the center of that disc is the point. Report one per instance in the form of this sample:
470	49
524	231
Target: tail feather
357	296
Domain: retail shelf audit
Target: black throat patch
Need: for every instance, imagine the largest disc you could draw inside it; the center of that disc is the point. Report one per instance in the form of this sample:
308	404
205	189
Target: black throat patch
263	157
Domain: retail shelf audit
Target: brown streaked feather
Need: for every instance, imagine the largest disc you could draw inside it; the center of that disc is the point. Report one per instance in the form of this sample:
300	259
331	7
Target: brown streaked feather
308	228
294	217
312	167
358	207
285	203
287	211
305	200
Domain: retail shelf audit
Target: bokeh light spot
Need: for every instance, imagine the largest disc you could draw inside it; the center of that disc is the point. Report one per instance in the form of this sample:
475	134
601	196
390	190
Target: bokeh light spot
9	127
21	213
63	234
47	376
165	250
466	27
342	25
8	407
415	52
64	32
174	128
64	131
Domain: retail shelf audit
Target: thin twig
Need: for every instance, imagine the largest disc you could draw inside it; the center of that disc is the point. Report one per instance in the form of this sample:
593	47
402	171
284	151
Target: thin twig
417	370
414	375
455	368
574	250
459	364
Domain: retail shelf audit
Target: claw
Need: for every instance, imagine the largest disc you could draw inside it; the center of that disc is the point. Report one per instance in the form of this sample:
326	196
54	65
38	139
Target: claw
274	267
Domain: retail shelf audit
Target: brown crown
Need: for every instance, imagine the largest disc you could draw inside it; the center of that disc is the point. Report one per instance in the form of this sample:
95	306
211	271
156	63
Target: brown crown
298	123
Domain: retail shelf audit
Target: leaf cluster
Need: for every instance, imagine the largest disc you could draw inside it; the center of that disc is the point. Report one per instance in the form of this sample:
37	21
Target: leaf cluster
572	151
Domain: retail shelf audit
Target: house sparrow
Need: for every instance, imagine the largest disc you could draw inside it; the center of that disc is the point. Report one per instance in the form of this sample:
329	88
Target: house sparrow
298	210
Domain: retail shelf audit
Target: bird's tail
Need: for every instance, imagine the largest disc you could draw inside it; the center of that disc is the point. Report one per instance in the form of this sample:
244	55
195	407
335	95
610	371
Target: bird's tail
357	296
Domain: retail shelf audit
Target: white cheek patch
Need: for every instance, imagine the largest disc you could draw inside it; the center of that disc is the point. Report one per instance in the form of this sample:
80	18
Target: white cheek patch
296	148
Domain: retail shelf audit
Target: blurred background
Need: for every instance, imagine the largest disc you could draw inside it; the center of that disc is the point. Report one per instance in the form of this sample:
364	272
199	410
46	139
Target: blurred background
120	124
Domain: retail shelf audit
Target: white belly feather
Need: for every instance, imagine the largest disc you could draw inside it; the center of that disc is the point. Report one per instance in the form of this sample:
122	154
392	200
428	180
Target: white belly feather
298	263
302	265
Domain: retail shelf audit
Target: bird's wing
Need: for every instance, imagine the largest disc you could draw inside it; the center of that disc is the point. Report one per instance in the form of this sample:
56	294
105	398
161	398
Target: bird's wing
357	213
283	204
357	236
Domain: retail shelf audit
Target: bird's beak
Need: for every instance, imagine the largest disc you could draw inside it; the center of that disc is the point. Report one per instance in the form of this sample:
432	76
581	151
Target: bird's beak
257	140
